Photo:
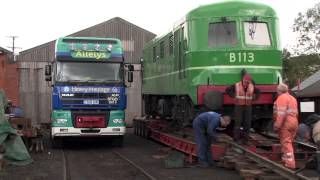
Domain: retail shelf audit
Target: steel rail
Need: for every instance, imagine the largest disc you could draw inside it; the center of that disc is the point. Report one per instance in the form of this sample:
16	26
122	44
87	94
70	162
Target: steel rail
279	169
312	146
135	165
64	166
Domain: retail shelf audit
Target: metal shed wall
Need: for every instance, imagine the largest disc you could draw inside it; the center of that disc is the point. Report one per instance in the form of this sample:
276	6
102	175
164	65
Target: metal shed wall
35	94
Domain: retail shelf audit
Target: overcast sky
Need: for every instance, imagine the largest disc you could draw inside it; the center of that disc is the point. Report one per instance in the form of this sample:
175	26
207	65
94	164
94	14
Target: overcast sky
39	21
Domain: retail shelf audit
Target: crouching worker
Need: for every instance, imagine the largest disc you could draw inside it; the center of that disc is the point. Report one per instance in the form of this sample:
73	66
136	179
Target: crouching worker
311	128
313	121
316	139
286	123
205	126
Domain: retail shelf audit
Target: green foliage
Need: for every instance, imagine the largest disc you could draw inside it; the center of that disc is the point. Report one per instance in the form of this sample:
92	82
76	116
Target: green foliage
299	67
307	27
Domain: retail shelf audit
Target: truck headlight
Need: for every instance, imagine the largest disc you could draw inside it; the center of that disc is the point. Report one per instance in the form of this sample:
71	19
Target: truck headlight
117	120
61	121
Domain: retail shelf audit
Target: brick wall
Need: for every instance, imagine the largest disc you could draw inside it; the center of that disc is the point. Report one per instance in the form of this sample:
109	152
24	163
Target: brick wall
9	78
2	60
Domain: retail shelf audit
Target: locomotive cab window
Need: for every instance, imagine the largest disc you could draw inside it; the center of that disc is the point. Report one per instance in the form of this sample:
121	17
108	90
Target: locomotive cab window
222	34
256	33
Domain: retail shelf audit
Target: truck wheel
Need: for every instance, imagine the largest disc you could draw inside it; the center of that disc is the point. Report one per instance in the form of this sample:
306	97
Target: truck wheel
117	141
56	143
213	100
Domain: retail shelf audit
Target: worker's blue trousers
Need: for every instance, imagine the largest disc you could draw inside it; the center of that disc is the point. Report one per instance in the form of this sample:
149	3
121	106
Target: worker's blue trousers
203	141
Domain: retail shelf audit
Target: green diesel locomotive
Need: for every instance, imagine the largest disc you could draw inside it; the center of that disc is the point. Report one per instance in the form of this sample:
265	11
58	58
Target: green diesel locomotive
191	66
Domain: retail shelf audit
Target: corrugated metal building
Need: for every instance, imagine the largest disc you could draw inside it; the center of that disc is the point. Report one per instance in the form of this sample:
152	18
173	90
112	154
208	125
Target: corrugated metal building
35	93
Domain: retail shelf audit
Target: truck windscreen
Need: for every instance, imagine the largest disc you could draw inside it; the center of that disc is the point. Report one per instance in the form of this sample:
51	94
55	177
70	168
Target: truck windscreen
88	72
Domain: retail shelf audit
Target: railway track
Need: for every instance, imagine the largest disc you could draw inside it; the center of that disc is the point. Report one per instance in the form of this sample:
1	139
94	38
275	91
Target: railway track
260	159
251	164
79	167
143	171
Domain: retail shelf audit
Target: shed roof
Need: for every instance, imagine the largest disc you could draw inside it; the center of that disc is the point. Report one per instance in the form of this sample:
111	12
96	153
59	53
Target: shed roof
309	87
3	50
118	19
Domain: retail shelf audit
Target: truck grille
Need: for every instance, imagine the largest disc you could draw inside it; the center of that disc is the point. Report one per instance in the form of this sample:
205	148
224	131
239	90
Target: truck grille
85	95
90	100
90	119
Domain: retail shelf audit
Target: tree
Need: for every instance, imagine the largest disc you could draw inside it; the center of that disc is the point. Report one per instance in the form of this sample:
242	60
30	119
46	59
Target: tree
299	68
286	65
307	27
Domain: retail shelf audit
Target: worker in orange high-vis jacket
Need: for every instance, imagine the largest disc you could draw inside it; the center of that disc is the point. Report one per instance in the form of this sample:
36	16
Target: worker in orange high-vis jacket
244	93
285	113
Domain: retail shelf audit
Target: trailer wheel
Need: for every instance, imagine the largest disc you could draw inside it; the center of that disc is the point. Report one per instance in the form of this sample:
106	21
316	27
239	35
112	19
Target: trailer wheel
213	100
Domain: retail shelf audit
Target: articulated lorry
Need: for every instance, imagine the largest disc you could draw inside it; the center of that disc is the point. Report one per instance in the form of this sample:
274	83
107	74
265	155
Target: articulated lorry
88	89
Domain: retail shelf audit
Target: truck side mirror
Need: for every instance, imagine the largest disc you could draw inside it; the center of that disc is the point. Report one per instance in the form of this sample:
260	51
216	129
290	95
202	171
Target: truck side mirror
48	78
131	67
130	76
47	72
130	72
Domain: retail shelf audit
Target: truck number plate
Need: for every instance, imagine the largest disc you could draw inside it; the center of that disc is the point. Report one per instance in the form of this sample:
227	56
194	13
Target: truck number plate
91	101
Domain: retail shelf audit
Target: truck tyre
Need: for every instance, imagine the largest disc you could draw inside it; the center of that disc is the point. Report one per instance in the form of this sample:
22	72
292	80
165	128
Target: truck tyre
56	143
117	141
213	100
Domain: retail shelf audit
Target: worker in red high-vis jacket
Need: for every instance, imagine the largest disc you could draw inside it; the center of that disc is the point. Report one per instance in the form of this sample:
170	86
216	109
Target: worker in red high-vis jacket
285	113
244	93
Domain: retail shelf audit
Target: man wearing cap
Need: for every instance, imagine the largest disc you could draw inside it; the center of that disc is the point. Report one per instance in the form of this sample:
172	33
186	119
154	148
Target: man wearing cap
243	92
285	112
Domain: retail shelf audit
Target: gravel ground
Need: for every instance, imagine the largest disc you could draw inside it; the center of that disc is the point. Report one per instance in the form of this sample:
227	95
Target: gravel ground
96	160
46	166
147	154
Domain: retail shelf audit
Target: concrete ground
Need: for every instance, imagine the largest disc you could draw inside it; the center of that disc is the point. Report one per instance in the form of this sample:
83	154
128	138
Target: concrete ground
81	160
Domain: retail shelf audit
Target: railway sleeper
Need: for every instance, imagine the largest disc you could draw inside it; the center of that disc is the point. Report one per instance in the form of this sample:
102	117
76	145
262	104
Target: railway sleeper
234	157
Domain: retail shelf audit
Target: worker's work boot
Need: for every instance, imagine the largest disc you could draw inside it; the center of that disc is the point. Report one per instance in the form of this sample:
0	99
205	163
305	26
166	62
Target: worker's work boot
202	164
245	140
212	163
236	136
238	141
288	160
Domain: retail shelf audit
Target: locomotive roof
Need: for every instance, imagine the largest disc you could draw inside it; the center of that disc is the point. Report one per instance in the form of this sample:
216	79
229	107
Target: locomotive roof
232	8
229	8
